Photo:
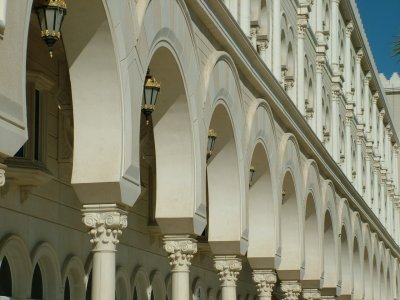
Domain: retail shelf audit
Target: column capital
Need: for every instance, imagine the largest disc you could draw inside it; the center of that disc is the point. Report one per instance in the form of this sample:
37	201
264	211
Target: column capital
302	24
375	98
2	174
262	45
228	268
359	55
349	28
105	222
367	78
291	289
181	249
382	113
311	294
336	1
265	281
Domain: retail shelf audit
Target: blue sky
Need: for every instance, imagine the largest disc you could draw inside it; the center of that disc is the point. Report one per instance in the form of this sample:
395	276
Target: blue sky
381	19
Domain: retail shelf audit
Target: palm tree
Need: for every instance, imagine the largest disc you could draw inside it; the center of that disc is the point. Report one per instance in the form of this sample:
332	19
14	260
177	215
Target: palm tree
396	46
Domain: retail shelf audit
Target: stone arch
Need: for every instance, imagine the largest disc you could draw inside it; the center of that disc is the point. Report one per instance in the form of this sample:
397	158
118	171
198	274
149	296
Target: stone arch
74	271
291	210
224	113
198	290
357	254
14	248
46	257
122	284
312	224
263	195
330	242
158	285
367	263
376	267
169	50
140	282
346	238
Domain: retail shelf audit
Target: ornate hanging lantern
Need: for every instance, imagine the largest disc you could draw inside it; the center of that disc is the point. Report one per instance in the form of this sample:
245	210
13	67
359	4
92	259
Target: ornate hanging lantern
150	93
212	136
51	16
252	171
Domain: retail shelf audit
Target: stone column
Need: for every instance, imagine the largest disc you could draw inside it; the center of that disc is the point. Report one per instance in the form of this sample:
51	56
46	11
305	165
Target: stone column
318	97
347	57
382	211
105	222
291	290
381	152
302	21
375	204
311	294
228	268
367	103
276	39
181	249
335	36
2	174
359	56
374	120
245	16
254	30
388	145
265	281
396	168
368	158
336	92
348	144
359	161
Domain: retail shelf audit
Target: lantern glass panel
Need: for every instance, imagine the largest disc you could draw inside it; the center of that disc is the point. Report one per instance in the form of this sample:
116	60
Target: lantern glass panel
41	16
154	96
59	19
147	96
50	16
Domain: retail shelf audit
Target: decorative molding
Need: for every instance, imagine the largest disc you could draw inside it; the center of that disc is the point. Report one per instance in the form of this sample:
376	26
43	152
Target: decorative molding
181	249
265	281
291	289
105	223
228	268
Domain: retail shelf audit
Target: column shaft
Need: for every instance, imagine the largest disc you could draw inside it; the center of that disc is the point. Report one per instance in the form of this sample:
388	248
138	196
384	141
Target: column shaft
300	72
276	39
358	86
347	57
374	121
382	210
359	174
335	36
367	195
348	149
318	100
245	16
367	103
381	133
375	204
181	249
335	128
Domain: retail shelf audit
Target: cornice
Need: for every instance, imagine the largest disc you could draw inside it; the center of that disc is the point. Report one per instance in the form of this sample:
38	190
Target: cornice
225	29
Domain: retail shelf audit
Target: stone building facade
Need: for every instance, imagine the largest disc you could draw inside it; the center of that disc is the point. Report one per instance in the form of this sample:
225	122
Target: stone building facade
292	90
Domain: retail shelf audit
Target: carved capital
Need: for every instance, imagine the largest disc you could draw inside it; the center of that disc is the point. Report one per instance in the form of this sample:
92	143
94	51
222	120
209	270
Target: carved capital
181	250
105	223
349	28
262	45
375	98
359	56
382	113
311	294
302	23
291	289
367	79
228	268
2	174
265	281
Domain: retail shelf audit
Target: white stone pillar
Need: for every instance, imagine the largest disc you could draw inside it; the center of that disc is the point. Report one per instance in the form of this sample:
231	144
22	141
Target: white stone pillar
382	211
245	16
396	168
388	157
381	133
359	162
368	158
311	294
265	281
375	120
291	290
347	57
302	21
348	145
375	204
318	97
359	57
336	92
228	268
335	36
276	39
367	103
390	215
181	249
105	222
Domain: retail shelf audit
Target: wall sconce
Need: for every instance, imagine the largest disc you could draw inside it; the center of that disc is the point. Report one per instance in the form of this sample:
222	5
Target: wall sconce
212	136
150	93
252	171
51	16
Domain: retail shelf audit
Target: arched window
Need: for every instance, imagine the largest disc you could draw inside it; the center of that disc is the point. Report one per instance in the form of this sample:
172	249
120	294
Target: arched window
5	278
67	292
37	284
135	297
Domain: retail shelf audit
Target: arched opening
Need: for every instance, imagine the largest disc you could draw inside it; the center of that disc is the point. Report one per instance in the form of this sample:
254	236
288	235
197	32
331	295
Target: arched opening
330	264
135	295
224	186
312	268
262	234
375	280
346	278
121	291
5	278
290	235
368	284
358	280
37	284
67	290
382	284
